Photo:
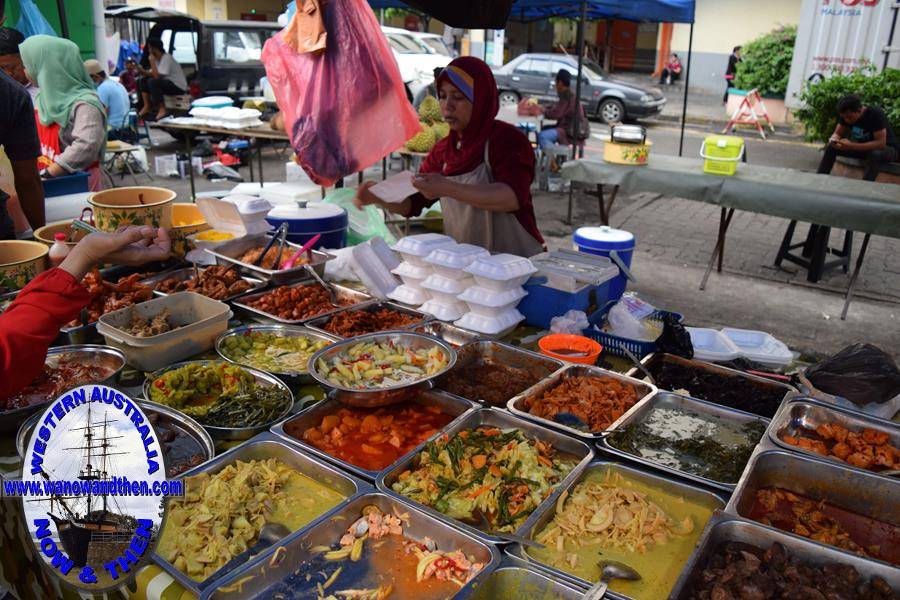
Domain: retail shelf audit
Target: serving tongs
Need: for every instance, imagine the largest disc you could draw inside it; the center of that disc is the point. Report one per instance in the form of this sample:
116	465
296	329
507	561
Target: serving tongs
280	236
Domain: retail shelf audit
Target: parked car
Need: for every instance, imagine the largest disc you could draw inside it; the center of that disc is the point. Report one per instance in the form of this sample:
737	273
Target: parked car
219	58
418	55
603	97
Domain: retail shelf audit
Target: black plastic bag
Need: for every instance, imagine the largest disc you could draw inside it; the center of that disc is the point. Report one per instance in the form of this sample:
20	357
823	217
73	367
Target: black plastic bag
861	373
675	339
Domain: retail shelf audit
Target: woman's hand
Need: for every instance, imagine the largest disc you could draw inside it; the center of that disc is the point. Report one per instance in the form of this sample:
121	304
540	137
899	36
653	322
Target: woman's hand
129	246
432	185
364	197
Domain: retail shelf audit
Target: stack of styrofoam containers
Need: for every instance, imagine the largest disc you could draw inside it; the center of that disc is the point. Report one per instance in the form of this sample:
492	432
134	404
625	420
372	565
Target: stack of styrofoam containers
449	280
414	269
498	289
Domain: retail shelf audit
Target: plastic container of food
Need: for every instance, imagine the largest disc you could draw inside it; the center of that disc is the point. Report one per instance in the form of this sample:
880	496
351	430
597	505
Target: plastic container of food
413	275
490	325
444	311
501	272
570	348
712	345
760	347
238	216
449	261
199	319
409	295
444	289
414	248
488	302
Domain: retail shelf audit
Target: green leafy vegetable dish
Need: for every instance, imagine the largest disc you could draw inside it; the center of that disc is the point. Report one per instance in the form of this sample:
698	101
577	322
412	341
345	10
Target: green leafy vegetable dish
485	475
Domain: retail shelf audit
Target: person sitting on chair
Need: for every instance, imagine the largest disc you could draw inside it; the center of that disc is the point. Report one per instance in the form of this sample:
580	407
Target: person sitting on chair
163	78
862	132
564	112
672	71
114	97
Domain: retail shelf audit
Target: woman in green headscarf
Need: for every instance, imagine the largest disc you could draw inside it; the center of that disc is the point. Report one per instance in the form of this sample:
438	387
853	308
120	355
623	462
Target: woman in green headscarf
71	120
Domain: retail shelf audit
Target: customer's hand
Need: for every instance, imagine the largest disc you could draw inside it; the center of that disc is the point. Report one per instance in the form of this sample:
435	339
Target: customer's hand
129	246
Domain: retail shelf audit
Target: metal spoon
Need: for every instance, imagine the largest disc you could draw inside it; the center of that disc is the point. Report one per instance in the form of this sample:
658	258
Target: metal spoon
639	365
268	535
609	570
485	526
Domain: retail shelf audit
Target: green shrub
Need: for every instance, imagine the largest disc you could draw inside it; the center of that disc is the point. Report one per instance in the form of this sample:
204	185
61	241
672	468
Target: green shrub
819	112
766	62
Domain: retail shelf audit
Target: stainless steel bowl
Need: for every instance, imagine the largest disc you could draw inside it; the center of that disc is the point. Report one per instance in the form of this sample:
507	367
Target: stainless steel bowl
95	354
382	396
281	331
227	433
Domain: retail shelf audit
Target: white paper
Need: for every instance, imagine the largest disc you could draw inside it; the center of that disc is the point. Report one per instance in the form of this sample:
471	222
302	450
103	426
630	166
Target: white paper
396	188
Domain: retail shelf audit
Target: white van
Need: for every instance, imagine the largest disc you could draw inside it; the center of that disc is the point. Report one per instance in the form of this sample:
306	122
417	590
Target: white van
418	55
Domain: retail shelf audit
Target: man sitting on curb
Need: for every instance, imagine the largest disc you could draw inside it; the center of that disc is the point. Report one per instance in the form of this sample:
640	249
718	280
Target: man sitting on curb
862	132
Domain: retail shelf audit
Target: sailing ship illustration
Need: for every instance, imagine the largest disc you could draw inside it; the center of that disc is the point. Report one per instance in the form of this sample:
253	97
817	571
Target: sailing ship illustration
92	527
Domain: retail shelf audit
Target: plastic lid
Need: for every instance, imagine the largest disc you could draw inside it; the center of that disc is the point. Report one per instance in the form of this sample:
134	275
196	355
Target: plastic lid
213	101
408	295
491	298
226	216
760	347
712	345
458	256
490	325
603	238
412	271
439	283
501	267
60	237
291	193
312	211
442	311
423	244
585	268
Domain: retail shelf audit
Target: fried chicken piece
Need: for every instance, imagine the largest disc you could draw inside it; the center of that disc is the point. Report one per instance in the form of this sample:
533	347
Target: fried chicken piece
873	436
858	459
841	450
884	456
825	431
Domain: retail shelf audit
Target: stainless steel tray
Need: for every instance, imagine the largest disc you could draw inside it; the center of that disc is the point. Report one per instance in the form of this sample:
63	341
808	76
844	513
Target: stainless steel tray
227	433
857	491
487	351
516	404
344	294
653	358
502	420
298	558
10	420
302	377
546	513
807	413
723	528
259	448
450	333
516	578
188	273
313	415
671	400
319	323
229	253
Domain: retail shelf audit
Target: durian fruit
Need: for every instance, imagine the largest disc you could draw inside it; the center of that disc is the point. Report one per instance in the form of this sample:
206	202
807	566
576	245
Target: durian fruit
441	130
430	110
423	141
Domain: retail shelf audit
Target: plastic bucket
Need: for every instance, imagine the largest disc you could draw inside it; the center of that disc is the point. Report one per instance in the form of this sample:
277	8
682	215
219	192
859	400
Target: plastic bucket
570	347
314	219
615	244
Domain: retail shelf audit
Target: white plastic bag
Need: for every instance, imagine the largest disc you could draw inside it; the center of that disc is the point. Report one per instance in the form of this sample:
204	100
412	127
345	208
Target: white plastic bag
574	321
627	319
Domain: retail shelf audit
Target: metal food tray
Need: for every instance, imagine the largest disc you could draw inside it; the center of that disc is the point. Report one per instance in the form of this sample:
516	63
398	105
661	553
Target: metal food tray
857	491
450	333
326	532
319	323
503	420
516	404
313	415
723	528
262	447
672	400
650	359
229	253
516	578
188	273
171	418
546	513
11	420
487	351
302	377
354	297
226	433
808	413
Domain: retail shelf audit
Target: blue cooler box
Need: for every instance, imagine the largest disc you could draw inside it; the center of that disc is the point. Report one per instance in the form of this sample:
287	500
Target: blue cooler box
615	244
76	183
310	219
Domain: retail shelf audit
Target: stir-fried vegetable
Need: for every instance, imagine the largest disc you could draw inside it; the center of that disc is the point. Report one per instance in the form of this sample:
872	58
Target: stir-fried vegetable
272	352
369	365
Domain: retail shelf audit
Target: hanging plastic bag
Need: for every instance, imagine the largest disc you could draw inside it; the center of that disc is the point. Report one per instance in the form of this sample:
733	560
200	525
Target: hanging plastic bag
306	31
32	21
345	108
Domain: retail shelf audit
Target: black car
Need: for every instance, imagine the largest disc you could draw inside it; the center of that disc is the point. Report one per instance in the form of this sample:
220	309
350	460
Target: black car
609	100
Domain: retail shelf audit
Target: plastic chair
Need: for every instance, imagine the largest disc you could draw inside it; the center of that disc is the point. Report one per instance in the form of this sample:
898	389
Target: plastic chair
547	156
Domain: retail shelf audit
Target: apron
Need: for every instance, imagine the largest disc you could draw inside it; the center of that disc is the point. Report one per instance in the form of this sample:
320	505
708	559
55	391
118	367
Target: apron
495	231
48	136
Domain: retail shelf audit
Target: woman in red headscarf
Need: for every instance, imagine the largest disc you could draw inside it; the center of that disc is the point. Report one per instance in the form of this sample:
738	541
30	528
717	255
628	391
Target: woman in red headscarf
481	172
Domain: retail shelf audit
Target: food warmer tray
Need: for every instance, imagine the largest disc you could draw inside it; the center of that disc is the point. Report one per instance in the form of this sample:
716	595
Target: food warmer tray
354	297
188	273
228	254
450	333
502	420
517	578
319	323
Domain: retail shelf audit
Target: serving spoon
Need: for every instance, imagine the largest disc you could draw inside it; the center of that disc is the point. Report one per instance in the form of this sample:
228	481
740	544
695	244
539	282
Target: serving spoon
609	570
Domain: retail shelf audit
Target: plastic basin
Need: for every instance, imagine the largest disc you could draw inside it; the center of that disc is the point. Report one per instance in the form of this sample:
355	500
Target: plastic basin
570	347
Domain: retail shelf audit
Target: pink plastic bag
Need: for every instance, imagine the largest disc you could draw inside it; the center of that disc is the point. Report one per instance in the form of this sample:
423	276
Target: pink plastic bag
346	108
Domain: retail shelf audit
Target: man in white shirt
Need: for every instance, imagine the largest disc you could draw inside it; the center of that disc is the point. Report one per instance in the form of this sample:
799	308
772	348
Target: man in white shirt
164	77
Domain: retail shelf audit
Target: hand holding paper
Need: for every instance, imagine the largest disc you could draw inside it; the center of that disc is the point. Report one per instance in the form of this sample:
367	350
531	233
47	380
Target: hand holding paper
396	188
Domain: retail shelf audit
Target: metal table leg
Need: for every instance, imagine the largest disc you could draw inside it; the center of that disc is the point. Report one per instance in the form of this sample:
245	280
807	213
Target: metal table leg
606	209
569	216
384	168
719	250
187	139
856	269
259	156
